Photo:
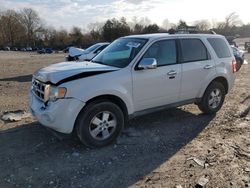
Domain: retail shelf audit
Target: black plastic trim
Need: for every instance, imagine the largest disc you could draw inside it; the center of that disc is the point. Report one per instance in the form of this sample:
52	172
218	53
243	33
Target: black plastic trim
164	107
81	75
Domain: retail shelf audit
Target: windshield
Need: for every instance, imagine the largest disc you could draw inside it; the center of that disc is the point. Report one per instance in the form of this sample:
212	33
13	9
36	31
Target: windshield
120	52
91	48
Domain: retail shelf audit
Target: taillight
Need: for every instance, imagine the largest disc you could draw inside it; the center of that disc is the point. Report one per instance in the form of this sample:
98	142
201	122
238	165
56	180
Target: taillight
234	66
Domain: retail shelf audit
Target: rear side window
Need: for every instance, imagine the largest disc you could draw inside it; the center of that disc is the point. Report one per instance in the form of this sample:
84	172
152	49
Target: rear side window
220	47
193	50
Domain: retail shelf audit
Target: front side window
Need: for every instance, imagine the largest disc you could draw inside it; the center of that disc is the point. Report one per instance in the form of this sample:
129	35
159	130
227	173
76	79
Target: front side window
220	47
193	50
120	52
163	51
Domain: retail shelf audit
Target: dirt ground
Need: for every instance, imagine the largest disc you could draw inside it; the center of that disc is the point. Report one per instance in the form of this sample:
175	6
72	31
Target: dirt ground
165	149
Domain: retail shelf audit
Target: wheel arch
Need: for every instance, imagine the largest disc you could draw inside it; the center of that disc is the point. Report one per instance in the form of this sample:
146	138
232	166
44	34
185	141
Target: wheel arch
108	97
112	98
221	80
77	130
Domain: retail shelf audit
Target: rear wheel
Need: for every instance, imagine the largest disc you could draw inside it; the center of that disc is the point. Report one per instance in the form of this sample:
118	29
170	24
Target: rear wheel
213	98
99	123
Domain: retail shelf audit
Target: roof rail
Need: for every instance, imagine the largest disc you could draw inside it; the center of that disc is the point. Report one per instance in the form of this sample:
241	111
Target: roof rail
196	32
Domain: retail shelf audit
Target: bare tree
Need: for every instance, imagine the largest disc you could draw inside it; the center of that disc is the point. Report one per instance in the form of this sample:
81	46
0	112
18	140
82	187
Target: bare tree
166	24
232	20
31	22
76	36
232	26
138	29
97	26
24	27
11	31
182	24
203	25
145	21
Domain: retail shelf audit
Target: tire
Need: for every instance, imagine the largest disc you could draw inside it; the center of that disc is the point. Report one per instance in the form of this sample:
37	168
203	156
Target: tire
99	124
210	104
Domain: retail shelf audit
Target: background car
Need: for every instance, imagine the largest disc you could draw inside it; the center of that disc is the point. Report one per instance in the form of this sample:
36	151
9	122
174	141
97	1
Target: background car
239	56
247	46
7	48
41	51
28	49
48	50
66	50
45	51
88	54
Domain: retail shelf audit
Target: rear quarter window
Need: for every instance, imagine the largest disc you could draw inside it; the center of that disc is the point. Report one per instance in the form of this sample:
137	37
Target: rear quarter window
220	47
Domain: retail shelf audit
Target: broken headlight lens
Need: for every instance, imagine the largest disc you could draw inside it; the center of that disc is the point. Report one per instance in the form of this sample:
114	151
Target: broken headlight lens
57	93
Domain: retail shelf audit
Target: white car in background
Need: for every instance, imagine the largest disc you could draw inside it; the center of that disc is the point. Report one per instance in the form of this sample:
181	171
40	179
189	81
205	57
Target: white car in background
87	54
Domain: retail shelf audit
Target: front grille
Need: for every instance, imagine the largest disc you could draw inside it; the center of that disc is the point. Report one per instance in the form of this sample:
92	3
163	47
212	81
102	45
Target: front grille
41	90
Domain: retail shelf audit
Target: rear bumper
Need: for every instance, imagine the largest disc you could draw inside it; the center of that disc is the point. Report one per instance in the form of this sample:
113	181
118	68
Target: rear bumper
59	115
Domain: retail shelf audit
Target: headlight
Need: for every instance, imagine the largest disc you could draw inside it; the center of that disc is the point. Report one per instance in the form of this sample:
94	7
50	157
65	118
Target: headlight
57	93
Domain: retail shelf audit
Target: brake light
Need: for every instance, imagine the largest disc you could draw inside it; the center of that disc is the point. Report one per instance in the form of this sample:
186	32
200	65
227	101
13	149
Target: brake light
234	66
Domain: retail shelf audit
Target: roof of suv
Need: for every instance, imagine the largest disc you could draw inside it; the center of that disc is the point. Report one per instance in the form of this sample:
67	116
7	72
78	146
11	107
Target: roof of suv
164	35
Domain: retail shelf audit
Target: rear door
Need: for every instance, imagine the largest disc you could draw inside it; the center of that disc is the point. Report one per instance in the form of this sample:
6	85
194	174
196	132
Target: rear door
197	67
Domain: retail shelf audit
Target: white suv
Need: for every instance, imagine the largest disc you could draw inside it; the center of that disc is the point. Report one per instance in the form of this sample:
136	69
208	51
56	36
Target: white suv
134	75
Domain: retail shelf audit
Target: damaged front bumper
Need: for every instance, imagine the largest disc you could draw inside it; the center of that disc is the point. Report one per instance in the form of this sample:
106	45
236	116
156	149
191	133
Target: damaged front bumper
59	115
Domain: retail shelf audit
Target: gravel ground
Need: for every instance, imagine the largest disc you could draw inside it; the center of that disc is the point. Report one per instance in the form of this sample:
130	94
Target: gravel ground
176	147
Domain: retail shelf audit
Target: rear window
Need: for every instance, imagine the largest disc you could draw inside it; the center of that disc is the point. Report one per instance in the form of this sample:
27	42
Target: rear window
193	50
220	47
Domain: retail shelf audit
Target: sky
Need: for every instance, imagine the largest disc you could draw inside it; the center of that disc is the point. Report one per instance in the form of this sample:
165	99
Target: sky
68	13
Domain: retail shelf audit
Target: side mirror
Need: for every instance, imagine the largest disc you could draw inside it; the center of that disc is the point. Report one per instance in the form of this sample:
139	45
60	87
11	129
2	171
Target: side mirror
147	63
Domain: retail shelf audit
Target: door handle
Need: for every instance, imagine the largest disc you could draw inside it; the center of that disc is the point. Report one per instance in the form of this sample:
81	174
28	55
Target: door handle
208	67
172	72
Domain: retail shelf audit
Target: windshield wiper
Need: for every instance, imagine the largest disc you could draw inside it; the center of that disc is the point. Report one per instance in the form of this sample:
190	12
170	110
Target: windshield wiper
99	62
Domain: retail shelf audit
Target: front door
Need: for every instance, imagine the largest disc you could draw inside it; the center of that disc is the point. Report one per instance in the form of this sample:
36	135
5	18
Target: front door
160	86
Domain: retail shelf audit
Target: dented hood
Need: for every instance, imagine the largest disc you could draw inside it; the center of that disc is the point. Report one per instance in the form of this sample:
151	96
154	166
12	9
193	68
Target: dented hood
73	51
68	71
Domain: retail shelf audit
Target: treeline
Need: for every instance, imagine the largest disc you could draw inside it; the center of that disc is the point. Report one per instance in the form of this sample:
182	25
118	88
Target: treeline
25	28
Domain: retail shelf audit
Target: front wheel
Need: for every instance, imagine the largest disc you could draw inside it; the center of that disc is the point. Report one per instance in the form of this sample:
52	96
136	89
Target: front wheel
99	123
213	98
